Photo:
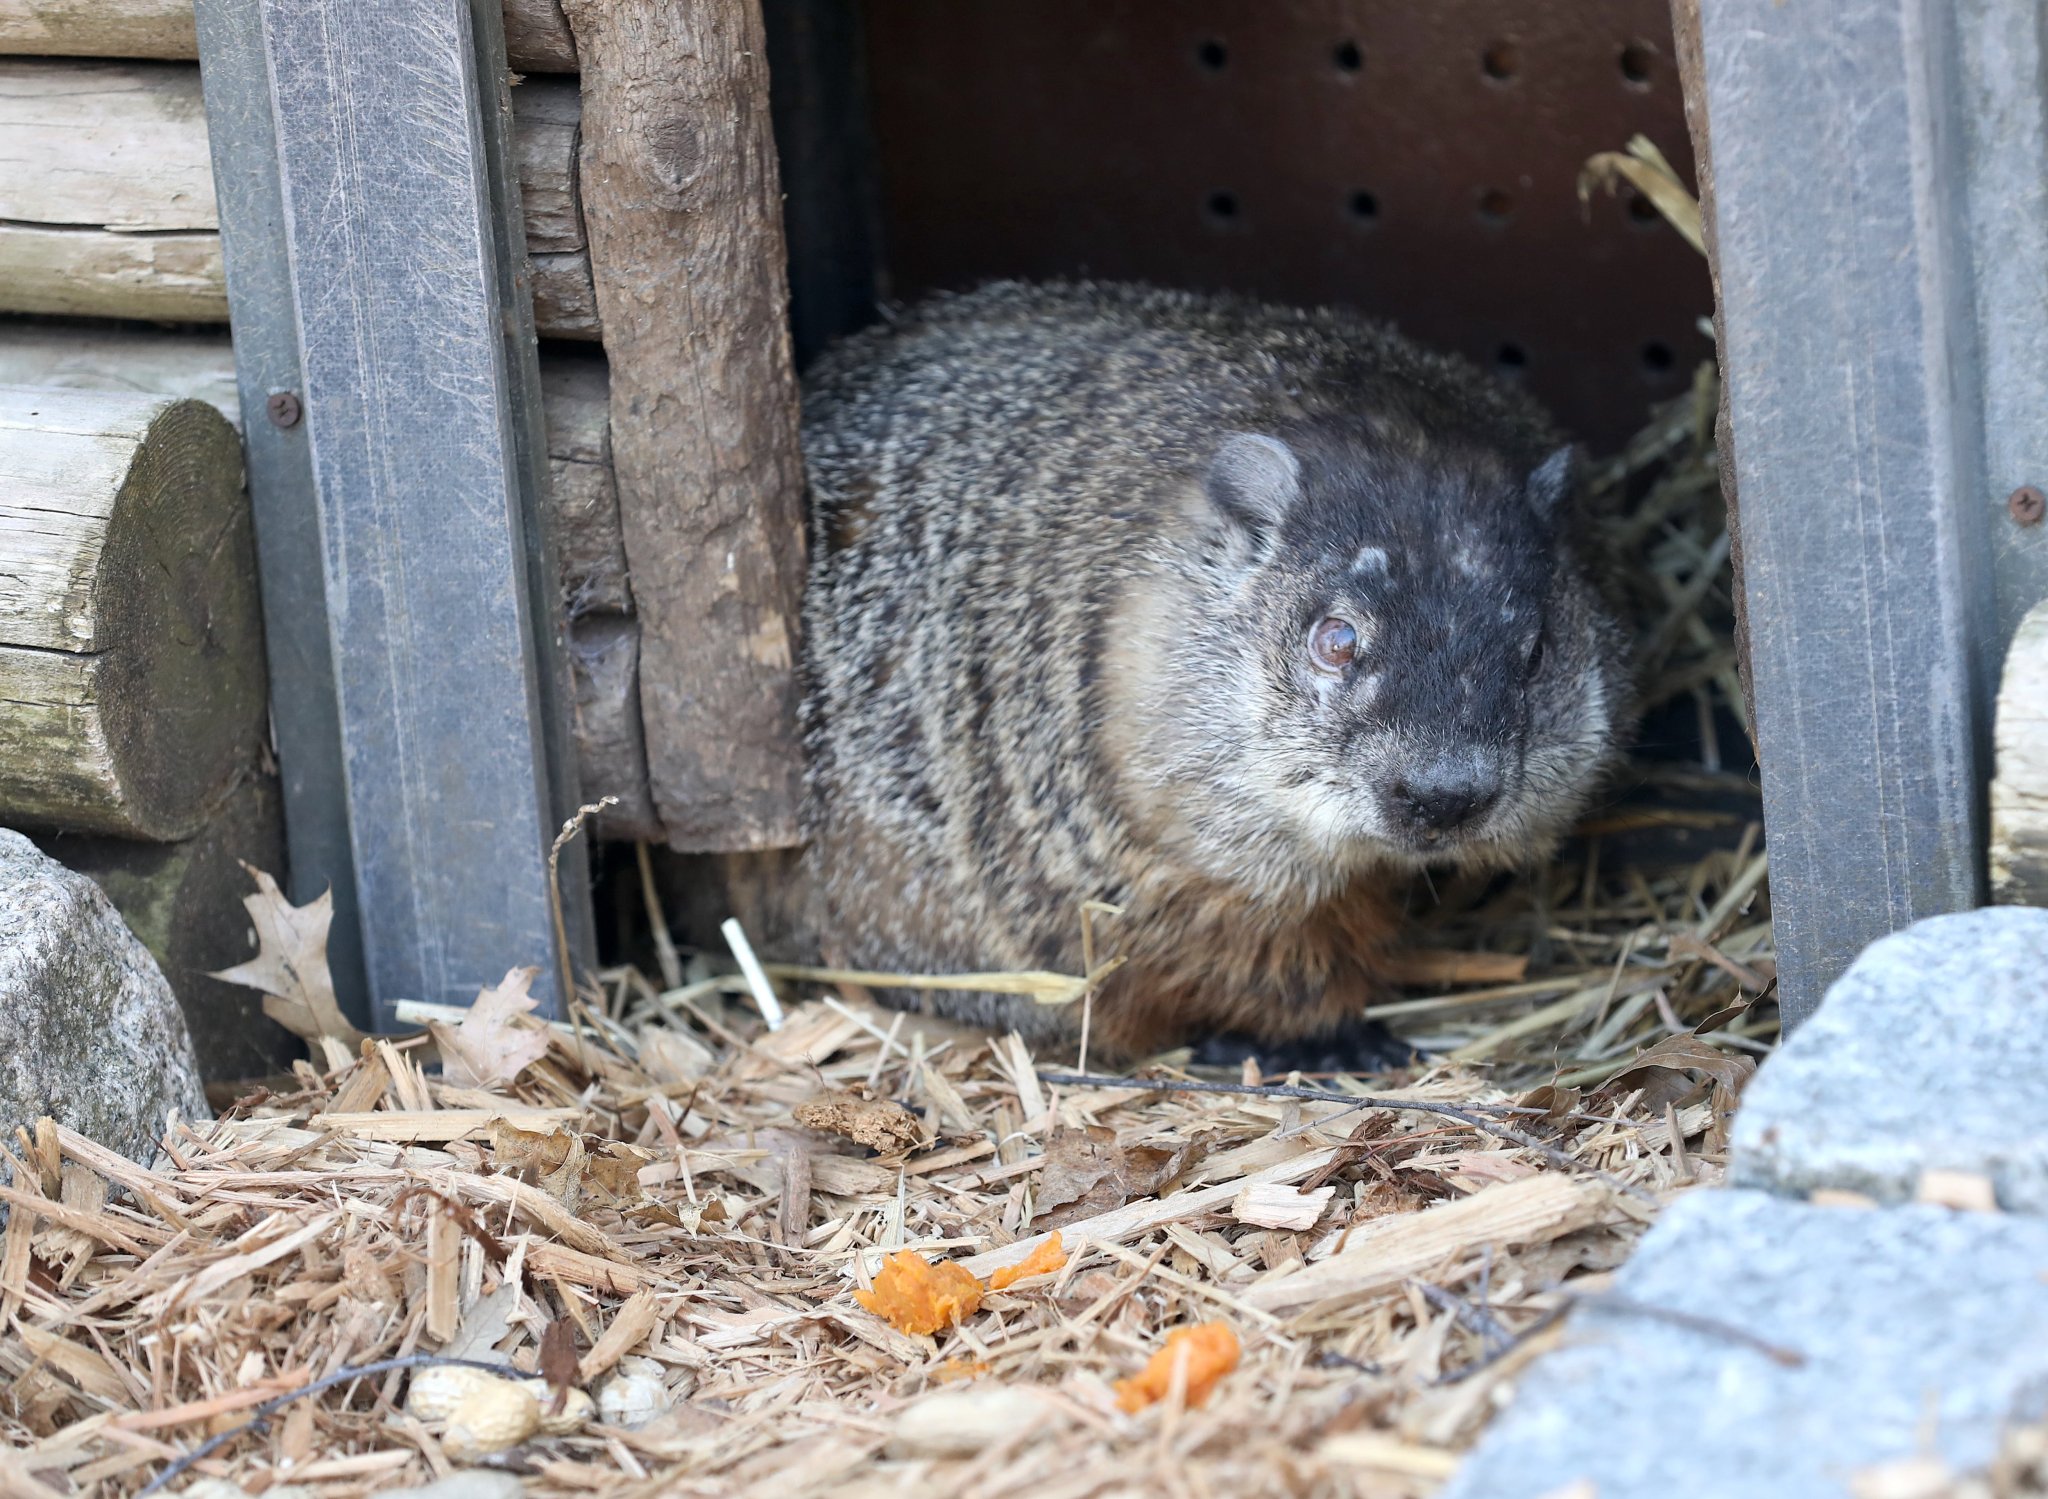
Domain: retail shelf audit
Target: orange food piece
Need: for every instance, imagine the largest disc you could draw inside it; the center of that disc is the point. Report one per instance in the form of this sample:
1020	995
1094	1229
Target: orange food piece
917	1297
1043	1260
1211	1353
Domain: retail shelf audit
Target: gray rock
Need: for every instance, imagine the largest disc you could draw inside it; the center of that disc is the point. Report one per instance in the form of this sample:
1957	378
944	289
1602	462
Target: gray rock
1909	1319
90	1033
1931	1051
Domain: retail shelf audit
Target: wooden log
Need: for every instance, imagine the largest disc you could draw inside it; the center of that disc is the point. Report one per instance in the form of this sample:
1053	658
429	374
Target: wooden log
113	357
184	900
582	505
2019	786
118	217
131	654
604	663
536	37
684	216
581	511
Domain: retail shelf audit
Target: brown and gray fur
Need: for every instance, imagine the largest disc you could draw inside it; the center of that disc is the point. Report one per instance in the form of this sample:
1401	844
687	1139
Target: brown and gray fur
1069	544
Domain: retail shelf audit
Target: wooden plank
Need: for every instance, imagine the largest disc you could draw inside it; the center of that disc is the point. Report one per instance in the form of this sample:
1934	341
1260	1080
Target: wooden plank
410	386
130	655
604	654
1848	339
536	37
682	208
113	213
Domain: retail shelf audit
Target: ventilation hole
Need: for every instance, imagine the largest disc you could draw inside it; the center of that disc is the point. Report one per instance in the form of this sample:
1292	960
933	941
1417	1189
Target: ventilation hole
1348	58
1511	357
1657	358
1213	56
1643	211
1638	61
1221	207
1495	206
1363	207
1501	61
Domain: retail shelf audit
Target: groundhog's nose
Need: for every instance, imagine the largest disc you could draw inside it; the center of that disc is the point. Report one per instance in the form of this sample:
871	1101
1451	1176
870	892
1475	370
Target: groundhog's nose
1440	798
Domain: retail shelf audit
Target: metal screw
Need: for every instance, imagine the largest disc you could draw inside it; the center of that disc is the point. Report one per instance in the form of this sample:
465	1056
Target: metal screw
2027	505
284	408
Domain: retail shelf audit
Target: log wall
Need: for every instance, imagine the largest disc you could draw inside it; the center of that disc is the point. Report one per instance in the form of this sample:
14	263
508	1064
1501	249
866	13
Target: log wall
117	218
536	37
582	513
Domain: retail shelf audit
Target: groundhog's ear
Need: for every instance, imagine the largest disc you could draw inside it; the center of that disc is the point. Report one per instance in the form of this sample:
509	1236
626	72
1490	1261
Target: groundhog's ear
1254	480
1551	481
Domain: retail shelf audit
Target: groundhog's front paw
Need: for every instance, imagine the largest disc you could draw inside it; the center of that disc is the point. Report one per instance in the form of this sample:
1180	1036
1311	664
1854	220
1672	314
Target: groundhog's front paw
1354	1046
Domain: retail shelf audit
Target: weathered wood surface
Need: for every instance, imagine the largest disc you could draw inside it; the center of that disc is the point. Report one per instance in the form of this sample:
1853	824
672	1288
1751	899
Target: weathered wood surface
107	206
184	900
683	211
131	655
112	357
2019	789
536	37
1849	350
581	509
604	656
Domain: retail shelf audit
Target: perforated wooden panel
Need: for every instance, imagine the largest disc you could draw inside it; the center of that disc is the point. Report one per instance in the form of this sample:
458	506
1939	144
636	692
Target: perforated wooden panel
1415	158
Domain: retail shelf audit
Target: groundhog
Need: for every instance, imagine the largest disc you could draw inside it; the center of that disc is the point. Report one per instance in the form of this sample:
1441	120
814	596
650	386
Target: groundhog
1230	616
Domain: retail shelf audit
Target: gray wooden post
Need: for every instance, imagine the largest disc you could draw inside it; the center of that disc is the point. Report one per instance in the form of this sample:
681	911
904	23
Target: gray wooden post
1882	253
375	266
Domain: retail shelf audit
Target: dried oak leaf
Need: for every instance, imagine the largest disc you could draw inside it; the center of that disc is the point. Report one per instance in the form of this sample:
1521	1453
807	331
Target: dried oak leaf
1087	1172
494	1042
290	965
1211	1352
1664	1073
557	1361
1043	1260
917	1297
567	1165
881	1124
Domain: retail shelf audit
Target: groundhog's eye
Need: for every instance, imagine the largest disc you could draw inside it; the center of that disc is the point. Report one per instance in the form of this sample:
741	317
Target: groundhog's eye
1333	643
1536	656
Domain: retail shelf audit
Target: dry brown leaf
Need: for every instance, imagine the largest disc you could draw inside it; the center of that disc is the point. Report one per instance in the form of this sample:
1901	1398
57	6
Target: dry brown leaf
567	1165
1665	1073
494	1042
881	1124
290	966
1087	1172
557	1360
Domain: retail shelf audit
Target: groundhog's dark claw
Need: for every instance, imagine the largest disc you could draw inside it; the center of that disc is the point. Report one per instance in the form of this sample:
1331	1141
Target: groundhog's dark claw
1356	1046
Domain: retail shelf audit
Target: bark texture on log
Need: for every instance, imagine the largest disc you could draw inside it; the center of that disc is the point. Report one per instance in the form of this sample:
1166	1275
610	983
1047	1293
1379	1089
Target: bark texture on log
2019	785
184	900
113	214
131	652
536	37
604	660
683	211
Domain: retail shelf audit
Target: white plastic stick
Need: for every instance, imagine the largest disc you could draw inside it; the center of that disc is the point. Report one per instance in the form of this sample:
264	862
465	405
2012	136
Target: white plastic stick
757	981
